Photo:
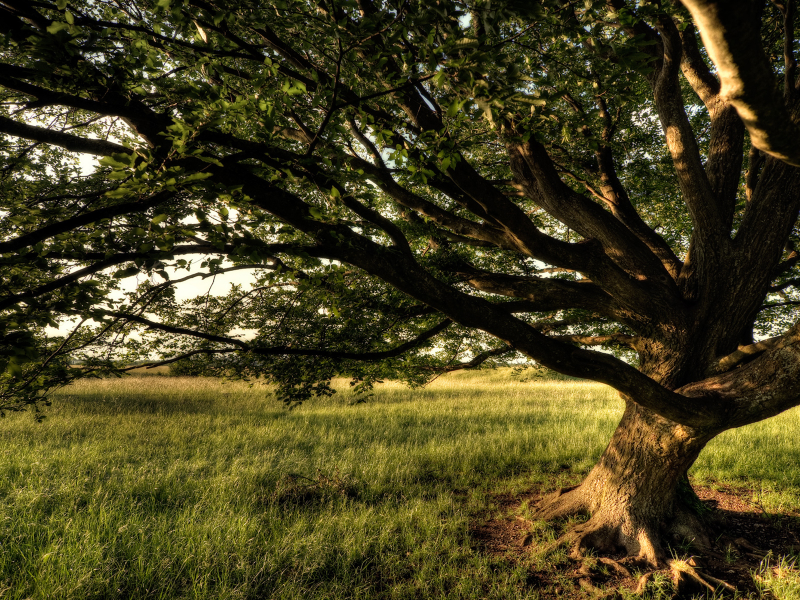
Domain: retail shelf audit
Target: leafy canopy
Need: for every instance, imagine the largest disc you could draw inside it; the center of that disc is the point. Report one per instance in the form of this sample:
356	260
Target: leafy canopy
356	158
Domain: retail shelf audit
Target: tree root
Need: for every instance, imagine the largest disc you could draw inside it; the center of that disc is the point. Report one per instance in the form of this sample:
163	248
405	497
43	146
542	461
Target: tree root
610	533
687	579
561	504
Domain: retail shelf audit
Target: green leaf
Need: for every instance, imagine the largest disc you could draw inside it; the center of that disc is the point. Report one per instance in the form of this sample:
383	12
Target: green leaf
123	273
454	108
202	32
159	218
466	43
57	26
110	161
14	369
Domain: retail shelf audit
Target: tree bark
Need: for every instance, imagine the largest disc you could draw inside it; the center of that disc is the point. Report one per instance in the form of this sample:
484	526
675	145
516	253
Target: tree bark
637	495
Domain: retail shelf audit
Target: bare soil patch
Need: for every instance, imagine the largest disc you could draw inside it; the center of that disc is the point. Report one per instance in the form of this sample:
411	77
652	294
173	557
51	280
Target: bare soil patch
747	535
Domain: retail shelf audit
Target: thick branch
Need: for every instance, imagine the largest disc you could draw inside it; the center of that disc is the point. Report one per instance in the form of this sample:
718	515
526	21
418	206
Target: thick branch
695	68
724	160
616	196
72	143
627	267
619	339
546	294
403	273
708	220
743	353
764	387
731	35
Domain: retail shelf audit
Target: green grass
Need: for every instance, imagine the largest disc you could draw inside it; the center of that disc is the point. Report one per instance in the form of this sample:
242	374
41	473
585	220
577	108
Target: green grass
157	487
780	578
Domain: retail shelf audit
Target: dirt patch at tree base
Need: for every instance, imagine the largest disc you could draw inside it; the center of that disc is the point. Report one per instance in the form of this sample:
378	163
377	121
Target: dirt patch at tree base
748	537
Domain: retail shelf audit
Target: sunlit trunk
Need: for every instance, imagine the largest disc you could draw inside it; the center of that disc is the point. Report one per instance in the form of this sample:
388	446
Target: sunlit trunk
637	494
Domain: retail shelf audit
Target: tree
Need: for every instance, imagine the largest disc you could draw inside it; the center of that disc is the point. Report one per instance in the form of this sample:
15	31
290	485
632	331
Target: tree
417	187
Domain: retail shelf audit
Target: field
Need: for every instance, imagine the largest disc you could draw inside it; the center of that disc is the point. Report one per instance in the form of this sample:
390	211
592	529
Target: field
159	487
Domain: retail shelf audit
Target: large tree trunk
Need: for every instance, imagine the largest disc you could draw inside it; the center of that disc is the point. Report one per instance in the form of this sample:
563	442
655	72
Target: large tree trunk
637	496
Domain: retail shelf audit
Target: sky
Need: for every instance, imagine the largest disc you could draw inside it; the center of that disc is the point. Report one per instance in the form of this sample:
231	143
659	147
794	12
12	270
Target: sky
216	285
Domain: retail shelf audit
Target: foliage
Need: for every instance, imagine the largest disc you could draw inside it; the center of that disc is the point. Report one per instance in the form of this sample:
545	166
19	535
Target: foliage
364	161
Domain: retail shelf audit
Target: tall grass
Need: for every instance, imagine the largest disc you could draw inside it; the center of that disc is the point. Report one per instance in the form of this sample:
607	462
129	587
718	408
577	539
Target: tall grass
190	488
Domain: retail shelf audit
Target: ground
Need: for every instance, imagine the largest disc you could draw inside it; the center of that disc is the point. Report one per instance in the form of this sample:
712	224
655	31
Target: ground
177	487
749	539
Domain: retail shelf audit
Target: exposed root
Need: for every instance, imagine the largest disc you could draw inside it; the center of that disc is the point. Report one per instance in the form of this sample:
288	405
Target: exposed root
614	529
687	579
642	584
605	556
752	550
592	537
586	584
563	503
586	538
615	566
624	534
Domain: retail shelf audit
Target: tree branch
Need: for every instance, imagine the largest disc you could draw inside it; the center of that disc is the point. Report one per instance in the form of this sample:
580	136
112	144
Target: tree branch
73	143
287	350
743	353
731	35
477	361
34	237
545	294
619	339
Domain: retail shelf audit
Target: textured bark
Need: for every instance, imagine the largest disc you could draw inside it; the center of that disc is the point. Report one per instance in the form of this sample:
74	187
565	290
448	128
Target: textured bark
731	35
637	494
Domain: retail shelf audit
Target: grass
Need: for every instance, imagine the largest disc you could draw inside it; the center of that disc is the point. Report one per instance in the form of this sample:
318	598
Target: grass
779	578
157	487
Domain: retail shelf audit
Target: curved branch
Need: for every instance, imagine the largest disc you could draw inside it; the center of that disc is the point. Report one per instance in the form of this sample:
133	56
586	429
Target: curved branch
732	38
405	274
105	262
174	359
476	362
72	143
708	221
34	237
619	339
616	197
286	350
764	387
176	330
743	353
141	118
545	294
695	68
625	266
724	160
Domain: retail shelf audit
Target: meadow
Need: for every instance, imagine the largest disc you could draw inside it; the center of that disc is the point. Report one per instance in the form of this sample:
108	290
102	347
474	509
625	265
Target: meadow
165	487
